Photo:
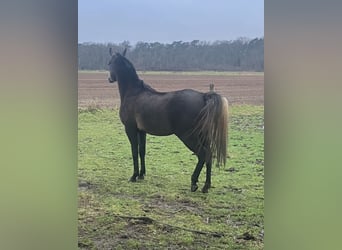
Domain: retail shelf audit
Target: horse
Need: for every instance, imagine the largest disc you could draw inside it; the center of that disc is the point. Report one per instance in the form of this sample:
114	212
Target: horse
199	120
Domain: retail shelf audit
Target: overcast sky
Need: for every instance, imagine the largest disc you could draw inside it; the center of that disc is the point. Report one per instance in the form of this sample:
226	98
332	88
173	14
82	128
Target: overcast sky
166	21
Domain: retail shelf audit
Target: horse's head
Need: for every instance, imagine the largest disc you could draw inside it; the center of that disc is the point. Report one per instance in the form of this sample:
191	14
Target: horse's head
113	64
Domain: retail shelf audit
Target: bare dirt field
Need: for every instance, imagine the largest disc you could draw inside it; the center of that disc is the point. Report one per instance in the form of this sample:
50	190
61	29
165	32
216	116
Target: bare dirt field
238	88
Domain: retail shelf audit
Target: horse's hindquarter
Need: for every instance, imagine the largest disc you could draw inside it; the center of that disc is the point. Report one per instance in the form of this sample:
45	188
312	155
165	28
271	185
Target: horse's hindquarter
185	107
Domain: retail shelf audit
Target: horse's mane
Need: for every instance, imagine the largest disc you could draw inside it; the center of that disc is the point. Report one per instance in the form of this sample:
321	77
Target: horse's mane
130	66
148	87
127	65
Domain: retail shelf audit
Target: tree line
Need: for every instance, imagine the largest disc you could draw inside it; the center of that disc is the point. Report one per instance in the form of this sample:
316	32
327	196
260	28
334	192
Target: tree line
237	55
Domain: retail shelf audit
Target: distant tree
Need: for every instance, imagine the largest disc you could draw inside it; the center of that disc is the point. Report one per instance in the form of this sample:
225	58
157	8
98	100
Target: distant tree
238	55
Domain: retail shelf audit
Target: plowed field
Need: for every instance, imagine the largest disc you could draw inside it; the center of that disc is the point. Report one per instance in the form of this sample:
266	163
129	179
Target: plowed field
238	88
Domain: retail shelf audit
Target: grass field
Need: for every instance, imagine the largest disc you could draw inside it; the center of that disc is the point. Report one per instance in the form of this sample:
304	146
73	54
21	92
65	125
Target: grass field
160	212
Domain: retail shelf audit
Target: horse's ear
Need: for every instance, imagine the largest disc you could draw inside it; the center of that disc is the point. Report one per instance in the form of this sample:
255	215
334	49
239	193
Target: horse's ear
124	52
110	52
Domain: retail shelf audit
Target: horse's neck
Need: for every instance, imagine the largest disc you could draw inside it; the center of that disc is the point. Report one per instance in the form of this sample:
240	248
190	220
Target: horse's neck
127	87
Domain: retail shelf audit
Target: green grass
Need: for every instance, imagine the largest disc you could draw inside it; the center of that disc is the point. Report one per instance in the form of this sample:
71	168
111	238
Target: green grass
234	206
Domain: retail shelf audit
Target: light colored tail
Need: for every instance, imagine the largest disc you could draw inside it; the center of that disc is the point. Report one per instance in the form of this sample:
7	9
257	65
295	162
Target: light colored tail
213	126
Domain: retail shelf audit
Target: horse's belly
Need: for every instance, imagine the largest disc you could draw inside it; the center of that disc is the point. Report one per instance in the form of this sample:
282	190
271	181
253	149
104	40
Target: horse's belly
159	132
154	127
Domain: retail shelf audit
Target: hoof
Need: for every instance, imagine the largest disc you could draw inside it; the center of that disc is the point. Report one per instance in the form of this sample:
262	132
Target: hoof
133	179
205	188
194	187
141	177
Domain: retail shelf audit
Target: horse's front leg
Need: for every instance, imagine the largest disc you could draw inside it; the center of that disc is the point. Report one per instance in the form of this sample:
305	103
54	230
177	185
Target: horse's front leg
133	139
142	151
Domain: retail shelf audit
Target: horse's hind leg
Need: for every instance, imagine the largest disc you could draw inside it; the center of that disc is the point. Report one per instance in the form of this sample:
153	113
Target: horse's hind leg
192	143
196	173
207	184
203	157
142	151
